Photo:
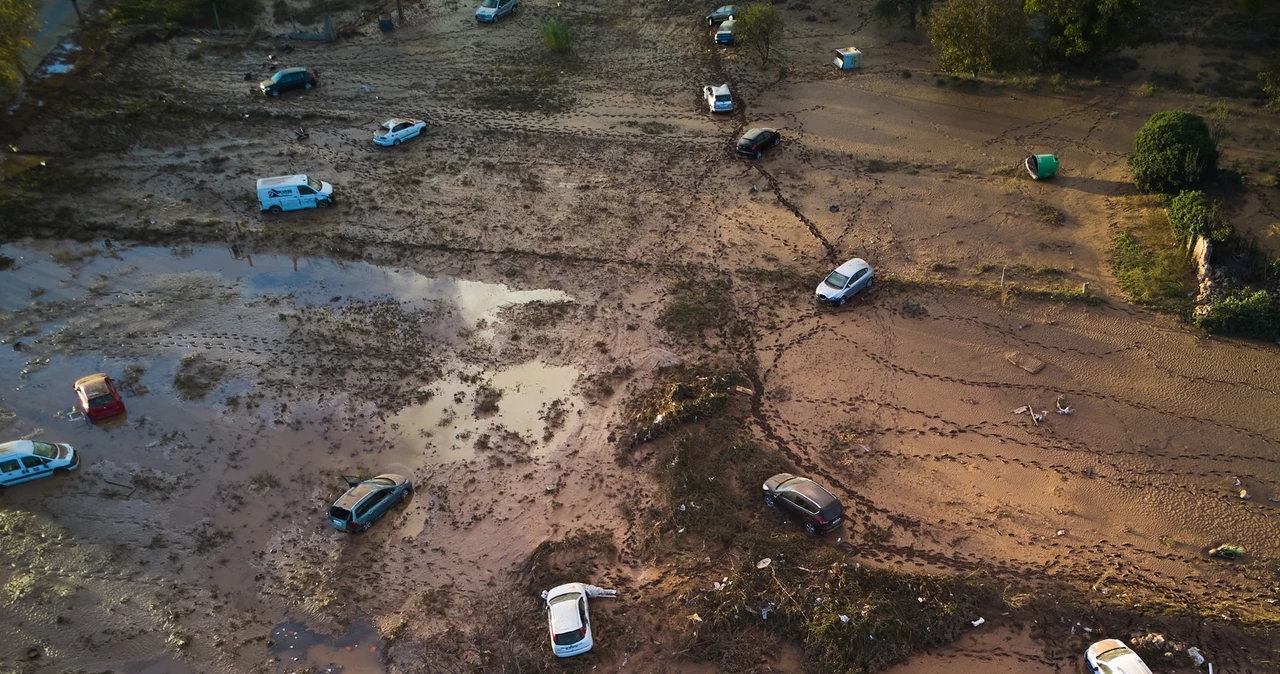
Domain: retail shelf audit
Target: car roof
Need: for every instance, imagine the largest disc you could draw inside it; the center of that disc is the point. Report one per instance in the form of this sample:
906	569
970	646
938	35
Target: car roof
295	179
852	266
89	379
1126	662
755	133
94	385
564	589
810	490
397	120
728	23
357	493
565	617
291	70
721	89
16	447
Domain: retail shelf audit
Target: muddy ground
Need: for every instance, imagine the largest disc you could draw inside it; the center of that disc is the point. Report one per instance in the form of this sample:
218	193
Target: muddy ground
482	305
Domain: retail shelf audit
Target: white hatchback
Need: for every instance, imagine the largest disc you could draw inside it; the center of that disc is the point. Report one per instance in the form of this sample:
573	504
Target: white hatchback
718	98
568	619
396	131
845	282
25	460
1111	656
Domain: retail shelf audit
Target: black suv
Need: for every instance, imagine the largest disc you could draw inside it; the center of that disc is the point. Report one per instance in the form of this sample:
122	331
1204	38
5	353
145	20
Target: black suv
818	508
289	78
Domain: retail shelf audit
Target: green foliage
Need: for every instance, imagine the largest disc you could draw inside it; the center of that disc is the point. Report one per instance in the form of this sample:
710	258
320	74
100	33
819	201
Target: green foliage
889	10
1172	152
1081	28
760	28
696	308
17	22
1244	313
1269	78
1151	265
975	36
187	12
556	37
1192	214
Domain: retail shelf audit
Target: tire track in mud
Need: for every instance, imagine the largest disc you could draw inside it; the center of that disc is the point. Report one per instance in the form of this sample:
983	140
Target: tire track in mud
795	210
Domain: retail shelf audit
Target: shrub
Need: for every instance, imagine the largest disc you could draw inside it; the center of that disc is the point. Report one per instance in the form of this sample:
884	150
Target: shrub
187	12
1246	313
1172	152
1194	214
555	36
760	28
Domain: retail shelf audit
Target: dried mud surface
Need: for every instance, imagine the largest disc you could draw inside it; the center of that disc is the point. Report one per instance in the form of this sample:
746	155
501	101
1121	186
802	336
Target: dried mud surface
480	304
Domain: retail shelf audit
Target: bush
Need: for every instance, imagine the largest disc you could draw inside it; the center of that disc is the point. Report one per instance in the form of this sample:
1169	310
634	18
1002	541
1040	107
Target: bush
187	12
1193	214
1172	152
1245	313
556	37
760	28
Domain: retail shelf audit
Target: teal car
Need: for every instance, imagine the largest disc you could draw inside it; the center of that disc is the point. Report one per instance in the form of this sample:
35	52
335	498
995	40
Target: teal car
367	501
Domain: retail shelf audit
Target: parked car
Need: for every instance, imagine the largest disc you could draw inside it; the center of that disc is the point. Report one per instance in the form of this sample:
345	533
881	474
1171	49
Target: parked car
845	282
753	142
99	397
291	193
1111	656
492	10
396	131
24	460
289	78
721	14
818	508
718	98
367	501
724	34
568	619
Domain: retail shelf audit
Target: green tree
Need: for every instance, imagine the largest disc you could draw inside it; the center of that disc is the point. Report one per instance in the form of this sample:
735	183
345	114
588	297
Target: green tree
1172	152
17	22
1080	28
759	27
912	9
1247	313
1269	78
979	35
1191	213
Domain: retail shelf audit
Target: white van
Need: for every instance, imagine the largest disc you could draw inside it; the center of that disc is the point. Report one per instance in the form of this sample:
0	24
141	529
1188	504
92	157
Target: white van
23	460
290	193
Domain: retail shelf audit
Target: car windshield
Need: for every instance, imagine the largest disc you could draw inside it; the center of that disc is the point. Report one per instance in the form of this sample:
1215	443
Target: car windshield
569	638
723	98
836	280
490	4
44	449
100	400
339	513
1114	654
313	184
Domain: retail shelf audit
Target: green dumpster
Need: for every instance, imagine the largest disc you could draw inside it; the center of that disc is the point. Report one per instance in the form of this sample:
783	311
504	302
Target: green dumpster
1042	166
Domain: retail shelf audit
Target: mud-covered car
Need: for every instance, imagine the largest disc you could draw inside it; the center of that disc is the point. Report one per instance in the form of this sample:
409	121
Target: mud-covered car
396	131
723	13
753	143
724	34
289	78
25	460
718	98
845	282
817	508
367	501
98	397
1111	656
569	618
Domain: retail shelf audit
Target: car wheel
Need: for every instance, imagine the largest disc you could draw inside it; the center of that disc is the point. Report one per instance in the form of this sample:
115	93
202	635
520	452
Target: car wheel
323	203
396	142
756	155
840	302
60	471
275	92
809	528
770	501
871	282
307	85
275	209
777	140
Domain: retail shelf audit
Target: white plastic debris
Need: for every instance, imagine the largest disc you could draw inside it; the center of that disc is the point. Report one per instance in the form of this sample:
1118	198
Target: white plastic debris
593	591
764	563
1196	656
1244	495
844	618
682	507
1063	409
977	622
1022	410
695	617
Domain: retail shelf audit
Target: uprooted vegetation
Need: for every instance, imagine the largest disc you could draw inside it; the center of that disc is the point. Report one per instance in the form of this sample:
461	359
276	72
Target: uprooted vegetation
197	377
696	307
686	396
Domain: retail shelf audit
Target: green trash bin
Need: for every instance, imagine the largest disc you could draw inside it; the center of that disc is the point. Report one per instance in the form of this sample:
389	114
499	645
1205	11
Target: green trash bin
1042	166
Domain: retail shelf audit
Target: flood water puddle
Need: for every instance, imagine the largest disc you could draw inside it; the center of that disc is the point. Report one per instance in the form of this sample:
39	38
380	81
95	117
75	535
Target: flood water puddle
62	271
299	648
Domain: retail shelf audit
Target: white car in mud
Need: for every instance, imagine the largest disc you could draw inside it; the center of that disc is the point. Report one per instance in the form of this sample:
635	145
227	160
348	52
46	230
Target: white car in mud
718	98
396	131
845	282
569	619
1111	656
25	460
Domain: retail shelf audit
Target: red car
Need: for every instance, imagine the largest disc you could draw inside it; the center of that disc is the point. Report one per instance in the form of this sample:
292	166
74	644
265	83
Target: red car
98	397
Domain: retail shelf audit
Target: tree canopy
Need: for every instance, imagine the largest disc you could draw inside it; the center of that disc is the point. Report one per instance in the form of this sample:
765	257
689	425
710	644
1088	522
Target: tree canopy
912	9
759	27
17	22
975	36
1172	152
1080	28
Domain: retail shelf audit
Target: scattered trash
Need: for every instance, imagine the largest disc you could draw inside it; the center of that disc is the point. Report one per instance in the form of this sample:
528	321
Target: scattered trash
835	208
865	449
844	618
1196	656
1273	499
682	507
695	617
720	585
594	592
1042	166
764	563
1227	551
1237	482
764	612
1063	409
754	189
1029	363
977	622
1039	417
1022	410
1244	495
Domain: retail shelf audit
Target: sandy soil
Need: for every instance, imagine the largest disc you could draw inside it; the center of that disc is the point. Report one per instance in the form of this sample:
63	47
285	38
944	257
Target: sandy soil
522	252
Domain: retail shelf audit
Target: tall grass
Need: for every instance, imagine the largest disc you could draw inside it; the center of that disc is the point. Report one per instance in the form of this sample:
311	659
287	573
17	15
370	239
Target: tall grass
556	37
